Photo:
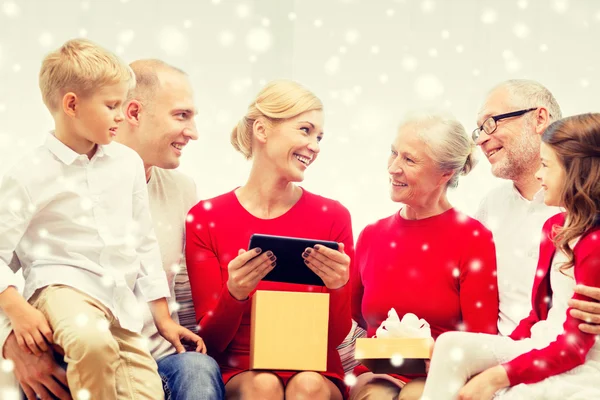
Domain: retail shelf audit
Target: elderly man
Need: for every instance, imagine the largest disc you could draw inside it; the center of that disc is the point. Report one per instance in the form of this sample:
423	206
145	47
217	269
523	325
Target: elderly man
159	122
510	124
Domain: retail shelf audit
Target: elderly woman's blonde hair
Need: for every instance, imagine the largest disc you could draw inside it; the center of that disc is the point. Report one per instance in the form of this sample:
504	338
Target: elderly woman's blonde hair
447	142
80	66
278	100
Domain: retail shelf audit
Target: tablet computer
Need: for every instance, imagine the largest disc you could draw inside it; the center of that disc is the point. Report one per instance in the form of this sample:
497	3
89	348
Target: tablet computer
290	265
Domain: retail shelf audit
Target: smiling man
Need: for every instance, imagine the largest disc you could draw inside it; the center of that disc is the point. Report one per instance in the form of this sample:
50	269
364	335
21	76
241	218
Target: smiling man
510	124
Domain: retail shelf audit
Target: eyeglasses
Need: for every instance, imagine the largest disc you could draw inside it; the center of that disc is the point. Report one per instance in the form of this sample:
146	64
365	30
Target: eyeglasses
489	125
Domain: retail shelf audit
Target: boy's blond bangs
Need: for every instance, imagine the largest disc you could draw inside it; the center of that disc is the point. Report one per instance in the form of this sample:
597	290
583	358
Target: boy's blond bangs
80	66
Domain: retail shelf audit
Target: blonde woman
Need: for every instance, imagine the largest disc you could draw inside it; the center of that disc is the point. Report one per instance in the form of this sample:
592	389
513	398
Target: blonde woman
280	134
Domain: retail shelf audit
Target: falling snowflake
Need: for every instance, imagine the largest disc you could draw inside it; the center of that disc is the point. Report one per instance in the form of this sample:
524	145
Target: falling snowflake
7	366
560	6
397	360
522	4
427	6
390	12
456	272
425	247
318	23
15	205
521	30
259	40
226	38
86	203
81	320
332	66
352	36
266	22
489	16
107	281
10	394
174	306
175	268
540	273
187	24
445	34
457	354
428	87
243	11
476	265
350	379
409	63
102	325
126	36
144	342
46	39
513	65
172	41
11	9
292	16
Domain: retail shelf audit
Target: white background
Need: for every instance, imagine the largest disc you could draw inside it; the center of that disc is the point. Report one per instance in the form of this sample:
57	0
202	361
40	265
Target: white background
370	61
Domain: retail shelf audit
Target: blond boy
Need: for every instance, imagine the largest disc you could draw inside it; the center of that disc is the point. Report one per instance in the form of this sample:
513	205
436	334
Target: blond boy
76	214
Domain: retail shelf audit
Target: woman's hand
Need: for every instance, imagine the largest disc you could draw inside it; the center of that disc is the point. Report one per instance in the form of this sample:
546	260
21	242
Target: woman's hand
246	270
332	266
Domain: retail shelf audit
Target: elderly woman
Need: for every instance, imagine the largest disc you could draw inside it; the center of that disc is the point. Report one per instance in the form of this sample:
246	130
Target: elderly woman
428	258
280	133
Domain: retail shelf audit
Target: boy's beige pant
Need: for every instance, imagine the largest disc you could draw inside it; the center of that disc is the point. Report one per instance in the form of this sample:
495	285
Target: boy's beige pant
102	358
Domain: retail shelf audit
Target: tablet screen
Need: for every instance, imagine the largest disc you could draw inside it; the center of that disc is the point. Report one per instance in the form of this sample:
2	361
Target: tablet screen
290	265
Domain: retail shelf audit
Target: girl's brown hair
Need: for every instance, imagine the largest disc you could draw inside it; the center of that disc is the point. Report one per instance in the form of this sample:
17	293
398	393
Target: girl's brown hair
576	141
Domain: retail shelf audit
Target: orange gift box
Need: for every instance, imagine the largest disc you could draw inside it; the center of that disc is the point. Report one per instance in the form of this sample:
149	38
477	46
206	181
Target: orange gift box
289	331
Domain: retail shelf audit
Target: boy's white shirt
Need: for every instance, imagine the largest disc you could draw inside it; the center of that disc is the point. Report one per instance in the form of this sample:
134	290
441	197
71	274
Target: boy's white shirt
171	194
62	215
516	225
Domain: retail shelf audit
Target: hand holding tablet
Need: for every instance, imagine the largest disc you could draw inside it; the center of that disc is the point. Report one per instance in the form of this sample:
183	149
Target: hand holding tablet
247	269
305	261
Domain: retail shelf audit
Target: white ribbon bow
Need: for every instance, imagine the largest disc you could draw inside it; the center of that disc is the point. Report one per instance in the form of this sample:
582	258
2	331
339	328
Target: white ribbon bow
410	327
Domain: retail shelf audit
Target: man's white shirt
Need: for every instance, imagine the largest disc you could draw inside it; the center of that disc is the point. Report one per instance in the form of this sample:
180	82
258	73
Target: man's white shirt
516	224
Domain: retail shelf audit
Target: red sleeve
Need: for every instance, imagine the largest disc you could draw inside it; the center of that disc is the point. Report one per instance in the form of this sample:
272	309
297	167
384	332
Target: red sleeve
523	330
479	300
570	348
218	314
339	307
356	280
